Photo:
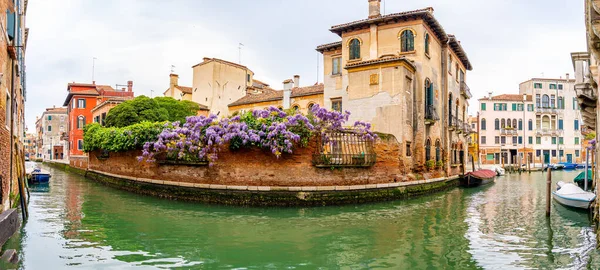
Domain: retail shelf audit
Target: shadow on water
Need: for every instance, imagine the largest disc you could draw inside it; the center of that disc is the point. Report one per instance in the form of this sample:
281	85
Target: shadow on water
82	223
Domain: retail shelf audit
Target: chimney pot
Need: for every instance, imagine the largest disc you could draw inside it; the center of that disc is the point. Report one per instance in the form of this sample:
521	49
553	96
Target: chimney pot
374	8
129	86
94	82
567	76
205	59
296	81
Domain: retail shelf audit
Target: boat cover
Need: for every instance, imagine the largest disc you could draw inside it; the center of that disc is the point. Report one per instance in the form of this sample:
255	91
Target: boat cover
581	176
574	192
483	174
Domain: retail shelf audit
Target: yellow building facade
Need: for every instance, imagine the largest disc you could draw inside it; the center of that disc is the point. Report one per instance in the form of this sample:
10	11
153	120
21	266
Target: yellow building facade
404	74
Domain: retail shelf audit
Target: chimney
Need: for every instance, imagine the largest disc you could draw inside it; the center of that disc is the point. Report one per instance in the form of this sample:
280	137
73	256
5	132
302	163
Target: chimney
567	76
205	59
374	9
94	82
173	80
129	86
287	93
489	95
296	81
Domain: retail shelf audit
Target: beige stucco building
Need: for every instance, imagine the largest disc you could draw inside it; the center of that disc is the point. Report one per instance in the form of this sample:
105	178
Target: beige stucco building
177	91
53	123
403	73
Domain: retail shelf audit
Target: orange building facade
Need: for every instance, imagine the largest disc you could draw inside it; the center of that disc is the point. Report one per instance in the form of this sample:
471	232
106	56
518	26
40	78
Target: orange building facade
80	101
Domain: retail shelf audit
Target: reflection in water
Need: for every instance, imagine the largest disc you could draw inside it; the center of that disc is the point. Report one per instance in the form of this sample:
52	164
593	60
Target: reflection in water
81	223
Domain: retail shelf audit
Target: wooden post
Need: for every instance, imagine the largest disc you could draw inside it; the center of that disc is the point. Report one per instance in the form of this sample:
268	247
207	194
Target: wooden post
473	163
548	191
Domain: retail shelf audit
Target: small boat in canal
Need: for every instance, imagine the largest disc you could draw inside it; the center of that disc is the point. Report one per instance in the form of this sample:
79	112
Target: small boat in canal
37	175
579	180
554	167
478	178
571	195
568	165
499	171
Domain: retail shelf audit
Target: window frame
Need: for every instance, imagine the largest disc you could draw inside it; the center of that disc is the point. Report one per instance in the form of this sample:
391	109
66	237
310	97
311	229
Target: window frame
354	49
407	41
336	70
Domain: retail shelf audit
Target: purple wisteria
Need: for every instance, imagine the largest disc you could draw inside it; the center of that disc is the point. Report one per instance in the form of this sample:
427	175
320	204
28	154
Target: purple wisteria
201	138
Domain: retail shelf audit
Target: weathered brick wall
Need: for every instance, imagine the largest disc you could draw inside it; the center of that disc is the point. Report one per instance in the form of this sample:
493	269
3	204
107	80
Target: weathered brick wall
255	167
80	162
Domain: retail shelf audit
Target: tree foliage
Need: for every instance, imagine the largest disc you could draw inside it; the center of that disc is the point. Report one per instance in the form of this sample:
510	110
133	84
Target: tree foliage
145	109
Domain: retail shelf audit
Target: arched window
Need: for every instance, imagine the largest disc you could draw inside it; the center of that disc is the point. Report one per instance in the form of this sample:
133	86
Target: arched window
354	49
450	110
407	41
438	155
483	124
530	125
545	101
546	122
427	43
427	150
310	107
80	122
429	114
514	123
296	108
520	124
503	123
497	124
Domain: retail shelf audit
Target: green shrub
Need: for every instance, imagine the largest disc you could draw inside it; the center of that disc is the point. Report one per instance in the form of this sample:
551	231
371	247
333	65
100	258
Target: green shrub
115	139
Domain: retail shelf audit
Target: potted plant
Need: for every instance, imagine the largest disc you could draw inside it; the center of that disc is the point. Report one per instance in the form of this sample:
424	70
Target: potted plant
430	164
439	164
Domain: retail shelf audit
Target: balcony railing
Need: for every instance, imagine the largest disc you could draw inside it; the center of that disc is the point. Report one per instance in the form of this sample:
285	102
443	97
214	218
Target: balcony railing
452	123
459	125
345	148
540	110
465	90
508	132
548	132
467	129
431	115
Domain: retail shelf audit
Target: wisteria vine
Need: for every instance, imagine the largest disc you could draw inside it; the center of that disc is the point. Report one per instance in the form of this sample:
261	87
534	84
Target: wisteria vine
200	138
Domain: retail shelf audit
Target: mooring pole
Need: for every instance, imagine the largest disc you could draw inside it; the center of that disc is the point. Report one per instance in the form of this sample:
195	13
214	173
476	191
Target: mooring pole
473	162
548	191
587	160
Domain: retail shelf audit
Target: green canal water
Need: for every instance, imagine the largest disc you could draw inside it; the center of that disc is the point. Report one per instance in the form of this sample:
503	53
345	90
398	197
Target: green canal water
75	222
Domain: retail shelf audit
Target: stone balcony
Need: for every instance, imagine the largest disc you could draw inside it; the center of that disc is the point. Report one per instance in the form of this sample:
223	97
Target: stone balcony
548	132
543	110
508	132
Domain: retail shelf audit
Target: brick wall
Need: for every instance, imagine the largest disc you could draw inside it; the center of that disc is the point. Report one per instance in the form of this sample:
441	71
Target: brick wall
80	162
257	167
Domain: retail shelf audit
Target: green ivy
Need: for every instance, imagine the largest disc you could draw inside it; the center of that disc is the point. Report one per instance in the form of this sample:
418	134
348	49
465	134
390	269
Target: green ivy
115	139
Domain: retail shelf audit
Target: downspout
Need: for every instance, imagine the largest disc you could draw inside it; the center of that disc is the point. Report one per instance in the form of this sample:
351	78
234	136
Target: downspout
444	102
12	120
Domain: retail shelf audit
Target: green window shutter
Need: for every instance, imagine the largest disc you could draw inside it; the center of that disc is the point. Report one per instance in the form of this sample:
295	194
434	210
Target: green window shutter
514	106
576	140
483	106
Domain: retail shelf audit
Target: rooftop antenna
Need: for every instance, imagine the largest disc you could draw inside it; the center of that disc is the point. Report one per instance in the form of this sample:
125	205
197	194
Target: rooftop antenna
384	7
151	92
93	67
317	67
240	45
172	68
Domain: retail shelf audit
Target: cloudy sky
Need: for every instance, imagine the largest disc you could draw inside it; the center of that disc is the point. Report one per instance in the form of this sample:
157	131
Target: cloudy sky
507	41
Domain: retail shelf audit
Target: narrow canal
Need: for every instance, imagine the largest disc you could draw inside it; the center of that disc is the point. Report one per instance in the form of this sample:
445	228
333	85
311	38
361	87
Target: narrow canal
77	222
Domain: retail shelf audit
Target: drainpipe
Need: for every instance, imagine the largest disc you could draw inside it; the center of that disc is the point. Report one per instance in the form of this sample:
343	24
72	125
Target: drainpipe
444	105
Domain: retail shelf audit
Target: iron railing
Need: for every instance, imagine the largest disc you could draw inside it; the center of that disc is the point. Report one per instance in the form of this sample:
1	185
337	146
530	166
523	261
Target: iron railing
508	131
465	90
431	113
459	125
546	110
346	148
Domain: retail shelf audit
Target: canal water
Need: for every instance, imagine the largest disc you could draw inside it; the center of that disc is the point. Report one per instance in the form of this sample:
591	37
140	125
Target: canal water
77	222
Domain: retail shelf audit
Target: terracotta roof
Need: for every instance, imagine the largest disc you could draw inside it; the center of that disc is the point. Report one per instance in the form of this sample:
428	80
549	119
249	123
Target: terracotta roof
104	88
274	95
425	14
378	61
184	89
90	92
509	97
328	46
113	100
459	51
201	106
550	80
208	60
59	109
257	83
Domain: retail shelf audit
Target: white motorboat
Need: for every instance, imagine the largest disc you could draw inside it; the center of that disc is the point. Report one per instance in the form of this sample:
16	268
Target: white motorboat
499	171
571	195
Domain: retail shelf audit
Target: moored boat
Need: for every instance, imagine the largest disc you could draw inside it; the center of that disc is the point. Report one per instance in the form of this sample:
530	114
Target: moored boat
568	165
499	171
579	180
478	178
571	195
38	175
